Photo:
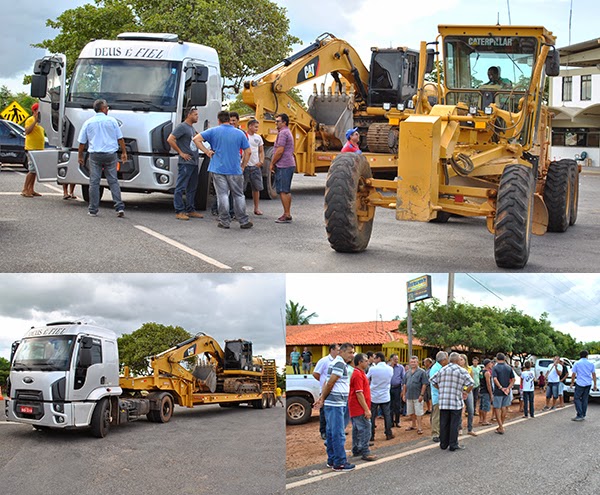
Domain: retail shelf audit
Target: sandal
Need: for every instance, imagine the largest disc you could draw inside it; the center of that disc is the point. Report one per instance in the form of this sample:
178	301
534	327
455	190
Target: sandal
258	212
485	424
410	428
419	432
67	197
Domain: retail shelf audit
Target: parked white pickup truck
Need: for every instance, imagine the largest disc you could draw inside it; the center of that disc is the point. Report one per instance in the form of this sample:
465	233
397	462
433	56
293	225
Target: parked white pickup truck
301	392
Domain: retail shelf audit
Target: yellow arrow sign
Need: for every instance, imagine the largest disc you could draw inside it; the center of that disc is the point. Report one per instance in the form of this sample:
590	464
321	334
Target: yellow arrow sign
14	112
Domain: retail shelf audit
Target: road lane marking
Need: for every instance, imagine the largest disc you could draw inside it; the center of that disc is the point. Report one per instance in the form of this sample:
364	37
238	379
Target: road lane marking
19	194
183	248
382	460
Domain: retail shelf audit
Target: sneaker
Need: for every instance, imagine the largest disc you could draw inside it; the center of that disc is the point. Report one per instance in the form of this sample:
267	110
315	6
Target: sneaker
577	419
284	219
436	439
329	465
345	467
247	225
552	408
390	436
545	408
182	216
121	213
92	214
458	447
222	226
194	214
369	457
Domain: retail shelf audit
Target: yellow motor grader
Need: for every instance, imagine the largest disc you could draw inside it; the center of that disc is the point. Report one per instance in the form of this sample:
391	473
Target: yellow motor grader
481	150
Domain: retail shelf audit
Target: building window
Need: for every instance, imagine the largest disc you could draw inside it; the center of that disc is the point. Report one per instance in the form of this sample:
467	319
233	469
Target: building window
582	138
567	84
586	87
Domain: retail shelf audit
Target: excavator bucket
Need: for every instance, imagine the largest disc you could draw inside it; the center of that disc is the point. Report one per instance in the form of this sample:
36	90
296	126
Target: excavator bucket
334	116
207	378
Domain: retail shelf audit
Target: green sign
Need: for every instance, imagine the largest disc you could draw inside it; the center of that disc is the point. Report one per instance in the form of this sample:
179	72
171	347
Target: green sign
418	289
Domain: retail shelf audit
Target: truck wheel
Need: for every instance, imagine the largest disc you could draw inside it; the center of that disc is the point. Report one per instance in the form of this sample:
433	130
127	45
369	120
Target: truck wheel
85	192
202	193
557	195
514	217
574	180
345	203
298	411
268	191
165	409
269	401
101	419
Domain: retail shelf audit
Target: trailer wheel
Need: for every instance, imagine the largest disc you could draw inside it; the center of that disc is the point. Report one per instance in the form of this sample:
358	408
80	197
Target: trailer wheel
557	195
345	203
269	191
298	410
85	192
101	419
514	217
165	409
574	181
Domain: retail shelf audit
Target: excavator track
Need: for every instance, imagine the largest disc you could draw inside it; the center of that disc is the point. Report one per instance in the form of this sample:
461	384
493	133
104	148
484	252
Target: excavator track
382	138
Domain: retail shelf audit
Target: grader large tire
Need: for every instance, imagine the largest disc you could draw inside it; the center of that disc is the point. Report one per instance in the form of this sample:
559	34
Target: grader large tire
557	195
345	195
514	217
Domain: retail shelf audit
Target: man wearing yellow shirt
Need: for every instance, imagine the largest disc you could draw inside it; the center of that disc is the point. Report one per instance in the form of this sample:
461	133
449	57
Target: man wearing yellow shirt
34	140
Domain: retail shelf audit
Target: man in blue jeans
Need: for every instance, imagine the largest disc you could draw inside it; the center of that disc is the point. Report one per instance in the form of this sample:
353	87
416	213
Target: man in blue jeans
181	140
103	137
552	383
226	142
334	400
584	372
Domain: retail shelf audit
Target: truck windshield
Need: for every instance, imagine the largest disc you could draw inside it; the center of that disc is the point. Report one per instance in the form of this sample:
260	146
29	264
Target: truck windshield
497	63
126	84
44	354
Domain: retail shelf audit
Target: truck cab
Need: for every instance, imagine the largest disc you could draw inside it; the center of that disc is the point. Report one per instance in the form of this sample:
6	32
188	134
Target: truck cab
59	372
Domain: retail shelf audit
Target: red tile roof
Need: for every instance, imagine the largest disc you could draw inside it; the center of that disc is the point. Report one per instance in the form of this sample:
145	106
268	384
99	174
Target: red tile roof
361	333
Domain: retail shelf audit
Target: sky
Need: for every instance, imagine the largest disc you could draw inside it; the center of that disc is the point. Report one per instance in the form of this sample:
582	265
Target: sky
224	306
571	300
363	23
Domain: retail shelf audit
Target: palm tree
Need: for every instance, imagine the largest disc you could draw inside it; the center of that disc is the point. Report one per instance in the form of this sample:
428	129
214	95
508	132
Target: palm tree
295	314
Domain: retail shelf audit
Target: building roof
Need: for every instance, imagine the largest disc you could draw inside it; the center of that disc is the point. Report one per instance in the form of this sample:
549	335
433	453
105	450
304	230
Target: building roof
360	333
584	54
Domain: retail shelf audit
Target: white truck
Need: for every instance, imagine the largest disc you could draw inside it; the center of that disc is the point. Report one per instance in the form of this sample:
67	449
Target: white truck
148	80
301	392
66	375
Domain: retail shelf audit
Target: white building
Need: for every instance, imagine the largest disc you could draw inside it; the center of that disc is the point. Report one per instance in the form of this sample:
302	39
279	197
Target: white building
575	101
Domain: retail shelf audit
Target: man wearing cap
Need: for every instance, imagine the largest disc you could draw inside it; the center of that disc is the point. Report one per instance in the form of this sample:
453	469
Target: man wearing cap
253	171
353	137
34	140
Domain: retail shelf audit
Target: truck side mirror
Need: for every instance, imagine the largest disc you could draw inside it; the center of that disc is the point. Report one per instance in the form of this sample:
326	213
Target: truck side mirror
552	66
39	84
198	94
430	60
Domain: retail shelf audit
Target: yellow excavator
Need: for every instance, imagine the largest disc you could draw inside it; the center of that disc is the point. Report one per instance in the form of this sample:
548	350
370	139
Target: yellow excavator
481	150
374	101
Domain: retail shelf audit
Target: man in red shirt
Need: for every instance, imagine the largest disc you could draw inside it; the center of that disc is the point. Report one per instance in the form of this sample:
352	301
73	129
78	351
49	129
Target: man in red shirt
352	137
359	405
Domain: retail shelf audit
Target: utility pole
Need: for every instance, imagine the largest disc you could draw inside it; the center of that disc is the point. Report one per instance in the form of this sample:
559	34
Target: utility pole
450	288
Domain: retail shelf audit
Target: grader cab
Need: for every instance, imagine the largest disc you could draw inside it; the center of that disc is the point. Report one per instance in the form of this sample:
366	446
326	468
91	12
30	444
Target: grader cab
482	150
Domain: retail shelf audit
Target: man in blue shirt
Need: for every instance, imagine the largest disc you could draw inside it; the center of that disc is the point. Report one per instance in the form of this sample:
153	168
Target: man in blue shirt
103	136
584	372
226	142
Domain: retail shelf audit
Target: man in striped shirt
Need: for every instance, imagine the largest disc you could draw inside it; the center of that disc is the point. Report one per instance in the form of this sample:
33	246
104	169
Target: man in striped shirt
334	400
454	384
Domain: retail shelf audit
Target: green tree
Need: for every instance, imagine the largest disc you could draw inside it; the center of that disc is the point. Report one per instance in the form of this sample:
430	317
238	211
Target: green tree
4	370
249	36
295	314
148	340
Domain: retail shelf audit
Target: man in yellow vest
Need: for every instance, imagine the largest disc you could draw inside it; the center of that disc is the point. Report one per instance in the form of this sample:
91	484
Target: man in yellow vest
278	396
34	140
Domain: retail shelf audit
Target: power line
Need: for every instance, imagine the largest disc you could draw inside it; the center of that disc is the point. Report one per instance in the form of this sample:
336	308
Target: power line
486	288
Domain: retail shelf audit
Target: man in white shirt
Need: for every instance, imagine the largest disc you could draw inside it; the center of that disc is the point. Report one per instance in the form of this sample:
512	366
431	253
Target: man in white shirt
320	373
380	375
552	383
253	170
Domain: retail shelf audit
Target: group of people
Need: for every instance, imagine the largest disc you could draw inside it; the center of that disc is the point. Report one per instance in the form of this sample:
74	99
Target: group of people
305	357
356	387
237	158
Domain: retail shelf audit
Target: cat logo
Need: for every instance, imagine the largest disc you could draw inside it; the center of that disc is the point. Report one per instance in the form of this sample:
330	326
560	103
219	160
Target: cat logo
190	351
310	70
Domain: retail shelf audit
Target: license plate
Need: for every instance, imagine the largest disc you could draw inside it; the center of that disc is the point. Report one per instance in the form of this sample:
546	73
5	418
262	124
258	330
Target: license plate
26	409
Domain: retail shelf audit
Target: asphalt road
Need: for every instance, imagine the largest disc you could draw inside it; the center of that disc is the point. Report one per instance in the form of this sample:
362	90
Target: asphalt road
206	450
48	234
548	455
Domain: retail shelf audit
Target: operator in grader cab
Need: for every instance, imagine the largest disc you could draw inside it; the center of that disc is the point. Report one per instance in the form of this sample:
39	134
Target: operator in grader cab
496	80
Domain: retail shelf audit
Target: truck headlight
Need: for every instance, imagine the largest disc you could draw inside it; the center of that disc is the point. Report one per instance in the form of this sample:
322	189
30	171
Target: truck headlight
163	179
161	163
